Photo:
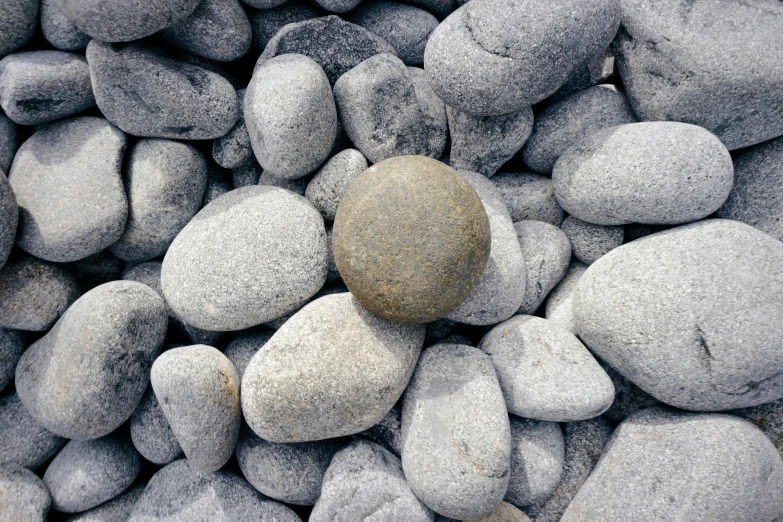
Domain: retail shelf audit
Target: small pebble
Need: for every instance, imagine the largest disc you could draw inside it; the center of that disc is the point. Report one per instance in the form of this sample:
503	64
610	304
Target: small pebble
233	148
589	242
331	182
560	303
23	441
244	347
387	433
537	460
529	196
17	24
218	183
59	30
151	432
547	253
23	496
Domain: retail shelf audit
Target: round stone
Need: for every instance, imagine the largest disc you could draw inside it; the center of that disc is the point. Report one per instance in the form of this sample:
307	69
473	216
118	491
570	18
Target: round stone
24	442
23	496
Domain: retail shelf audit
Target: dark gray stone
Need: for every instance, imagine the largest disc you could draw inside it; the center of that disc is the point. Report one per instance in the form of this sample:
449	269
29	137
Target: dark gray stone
332	273
330	183
23	496
218	30
560	303
268	20
12	346
244	347
9	142
437	330
117	509
768	418
440	8
537	460
96	269
233	148
264	4
151	433
529	196
9	218
218	183
589	242
598	69
59	30
297	186
23	441
247	174
547	253
628	398
387	433
17	24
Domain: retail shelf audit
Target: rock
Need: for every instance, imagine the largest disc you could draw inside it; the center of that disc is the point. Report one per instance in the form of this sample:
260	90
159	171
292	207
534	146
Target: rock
633	173
768	418
499	44
165	182
198	390
437	330
537	460
86	474
151	433
330	183
59	176
9	218
23	496
9	142
147	92
501	289
433	110
713	66
278	259
59	30
597	70
505	512
547	253
570	120
440	8
290	116
756	197
117	509
244	347
264	4
456	440
384	112
24	442
337	6
123	22
327	289
17	25
103	347
336	45
218	30
233	148
456	339
545	372
431	219
297	186
387	433
529	197
687	314
267	21
560	303
218	183
11	348
247	174
405	27
177	493
34	294
366	482
96	269
290	473
589	241
628	398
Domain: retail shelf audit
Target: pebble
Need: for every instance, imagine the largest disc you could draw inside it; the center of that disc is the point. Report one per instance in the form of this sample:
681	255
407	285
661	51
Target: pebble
67	182
327	289
431	219
633	173
148	92
387	433
9	218
218	183
687	314
440	8
559	307
330	183
9	142
545	372
12	346
456	439
768	418
290	115
59	30
103	347
247	174
484	143
433	110
267	21
628	398
244	347
547	253
269	257
23	496
34	294
24	442
589	242
529	197
151	432
197	388
233	148
165	182
366	482
96	269
17	24
297	186
506	50
537	460
117	509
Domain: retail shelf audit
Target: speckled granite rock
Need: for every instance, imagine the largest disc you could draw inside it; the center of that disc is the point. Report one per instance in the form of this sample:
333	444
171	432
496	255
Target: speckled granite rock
768	418
547	253
23	441
529	196
233	148
17	24
243	347
267	21
23	496
330	183
560	303
537	460
589	242
117	509
151	432
59	30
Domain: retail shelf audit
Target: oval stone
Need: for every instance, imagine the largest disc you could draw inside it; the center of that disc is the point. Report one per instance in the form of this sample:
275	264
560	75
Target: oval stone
23	496
23	441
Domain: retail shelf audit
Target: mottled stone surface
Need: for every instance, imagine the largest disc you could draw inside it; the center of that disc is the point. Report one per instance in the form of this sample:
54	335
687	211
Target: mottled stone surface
588	241
328	186
547	253
23	441
529	196
151	432
560	303
387	433
233	148
9	142
96	269
117	509
244	347
17	24
267	21
9	218
537	460
23	496
59	30
768	418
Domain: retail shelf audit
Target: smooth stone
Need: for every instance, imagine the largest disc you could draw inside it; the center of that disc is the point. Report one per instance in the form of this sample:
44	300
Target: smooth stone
547	253
12	346
337	6
149	92
17	24
267	21
233	148
96	269
628	398
588	241
505	512
689	314
9	142
264	4
67	182
34	294
529	197
151	432
501	288
433	222
24	442
165	182
197	388
537	460
247	174
569	120
437	330
297	186
9	218
768	418
59	30
484	143
597	70
23	496
218	183
559	307
330	183
240	350
290	115
456	439
250	256
433	110
493	57
85	377
633	173
440	8
117	509
387	433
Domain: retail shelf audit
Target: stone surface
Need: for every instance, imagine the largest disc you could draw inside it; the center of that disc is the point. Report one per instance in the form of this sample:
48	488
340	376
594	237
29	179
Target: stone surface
9	218
264	4
151	432
9	142
23	496
337	6
529	196
456	440
589	242
23	441
250	256
597	70
233	148
17	24
440	8
67	183
330	183
537	460
297	186
117	509
688	314
267	21
433	110
431	220
387	433
560	303
244	347
768	418
218	183
437	330
59	30
505	512
328	289
86	376
247	174
96	269
12	346
547	253
628	398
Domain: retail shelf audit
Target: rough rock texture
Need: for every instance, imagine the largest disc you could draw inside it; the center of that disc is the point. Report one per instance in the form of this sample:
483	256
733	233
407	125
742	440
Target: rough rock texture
337	6
537	460
9	142
440	8
151	432
117	509
17	24
218	183
23	496
387	433
589	242
267	21
330	183
597	70
23	441
59	30
96	269
9	218
547	253
297	186
560	303
233	148
628	398
12	346
244	347
529	196
247	174
505	512
768	418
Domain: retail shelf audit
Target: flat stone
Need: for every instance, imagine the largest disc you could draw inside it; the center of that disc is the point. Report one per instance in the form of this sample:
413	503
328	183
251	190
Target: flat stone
233	148
268	20
547	253
560	303
24	442
151	432
117	509
529	196
330	183
244	347
387	433
589	242
23	495
537	460
768	418
59	30
9	142
96	269
17	24
12	346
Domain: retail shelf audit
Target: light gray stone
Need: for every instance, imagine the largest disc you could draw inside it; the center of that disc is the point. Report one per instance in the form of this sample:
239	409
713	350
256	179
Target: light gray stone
337	6
560	304
537	460
17	24
297	186
23	496
244	347
12	346
117	509
547	253
9	142
768	418
327	289
329	184
233	148
23	441
588	241
9	218
59	30
151	432
268	20
529	196
387	433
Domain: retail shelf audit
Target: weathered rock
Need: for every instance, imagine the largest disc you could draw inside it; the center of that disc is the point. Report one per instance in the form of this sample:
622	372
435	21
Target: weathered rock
151	432
117	509
23	496
560	303
96	269
17	24
268	20
330	183
547	253
537	460
9	142
387	433
529	196
59	30
433	110
24	442
244	347
12	346
589	242
233	148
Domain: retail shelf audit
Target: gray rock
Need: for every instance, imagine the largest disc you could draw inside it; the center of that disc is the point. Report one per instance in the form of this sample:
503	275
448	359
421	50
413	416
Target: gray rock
102	347
244	347
689	314
598	69
96	269
387	433
177	493
336	45
547	253
290	115
233	148
507	50
327	187
405	27
59	30
117	509
291	473
337	6
267	21
484	143
297	186
456	339
34	294
768	418
437	330
264	4
569	120
269	257
529	196
17	24
11	348
198	389
633	174
165	182
366	482
9	142
757	198
537	460
589	242
86	474
545	372
247	174
327	289
628	398
332	273
218	183
433	109
147	92
23	441
23	496
151	433
501	289
715	66
336	399
560	303
68	185
456	439
440	8
9	218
